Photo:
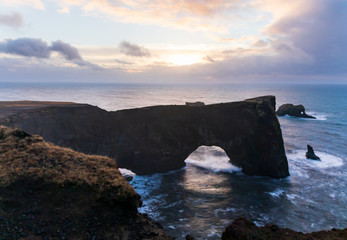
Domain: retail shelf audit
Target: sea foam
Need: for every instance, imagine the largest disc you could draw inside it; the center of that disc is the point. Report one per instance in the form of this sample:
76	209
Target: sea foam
318	116
213	158
126	172
327	160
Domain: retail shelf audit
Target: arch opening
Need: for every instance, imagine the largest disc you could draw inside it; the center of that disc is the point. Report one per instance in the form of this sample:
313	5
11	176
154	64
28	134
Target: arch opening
213	158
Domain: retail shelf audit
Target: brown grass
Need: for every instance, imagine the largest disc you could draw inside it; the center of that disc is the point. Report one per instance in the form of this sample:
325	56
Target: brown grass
23	156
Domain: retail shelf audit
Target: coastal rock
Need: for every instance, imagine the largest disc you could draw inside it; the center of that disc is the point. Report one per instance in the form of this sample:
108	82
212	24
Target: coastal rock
310	153
293	110
242	229
49	192
158	139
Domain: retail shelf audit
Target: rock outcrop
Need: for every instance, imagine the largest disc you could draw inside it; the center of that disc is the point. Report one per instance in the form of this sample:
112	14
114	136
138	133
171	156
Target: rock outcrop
293	110
49	192
242	229
159	138
310	153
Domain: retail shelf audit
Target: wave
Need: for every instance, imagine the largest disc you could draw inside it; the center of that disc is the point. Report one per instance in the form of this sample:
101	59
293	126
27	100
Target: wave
126	172
327	160
318	116
212	158
277	193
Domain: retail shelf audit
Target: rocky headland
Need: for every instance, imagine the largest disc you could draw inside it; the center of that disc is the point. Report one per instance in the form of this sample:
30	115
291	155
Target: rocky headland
159	138
49	192
293	111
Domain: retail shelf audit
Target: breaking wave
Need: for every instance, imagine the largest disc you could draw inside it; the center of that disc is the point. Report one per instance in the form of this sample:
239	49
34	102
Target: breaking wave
213	158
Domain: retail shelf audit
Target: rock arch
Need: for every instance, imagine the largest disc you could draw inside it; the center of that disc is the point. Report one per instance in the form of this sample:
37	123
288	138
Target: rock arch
159	138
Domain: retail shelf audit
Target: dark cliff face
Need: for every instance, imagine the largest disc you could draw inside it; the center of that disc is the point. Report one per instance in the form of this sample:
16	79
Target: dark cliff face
159	139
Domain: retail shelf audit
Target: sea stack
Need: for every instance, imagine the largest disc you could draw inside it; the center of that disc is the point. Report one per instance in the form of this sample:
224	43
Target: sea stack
310	153
293	110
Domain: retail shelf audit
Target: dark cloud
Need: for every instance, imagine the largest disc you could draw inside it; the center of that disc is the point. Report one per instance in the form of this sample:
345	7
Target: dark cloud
14	20
302	47
69	52
27	47
30	47
320	33
133	50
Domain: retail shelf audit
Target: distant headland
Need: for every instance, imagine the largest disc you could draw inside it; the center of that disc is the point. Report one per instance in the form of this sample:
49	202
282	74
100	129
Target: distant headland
159	138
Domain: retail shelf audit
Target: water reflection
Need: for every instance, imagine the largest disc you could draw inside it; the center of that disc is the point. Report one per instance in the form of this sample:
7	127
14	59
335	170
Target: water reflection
203	201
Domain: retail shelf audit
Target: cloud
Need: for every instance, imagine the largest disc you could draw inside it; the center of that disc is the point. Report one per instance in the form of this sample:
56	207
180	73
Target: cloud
31	47
14	20
123	62
64	10
318	30
32	3
133	50
68	51
209	59
27	47
192	15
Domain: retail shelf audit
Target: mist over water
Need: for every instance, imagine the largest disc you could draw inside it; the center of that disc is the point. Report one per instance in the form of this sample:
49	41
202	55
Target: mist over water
205	196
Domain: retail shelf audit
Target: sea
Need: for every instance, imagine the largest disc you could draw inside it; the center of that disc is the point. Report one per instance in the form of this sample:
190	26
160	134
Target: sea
206	195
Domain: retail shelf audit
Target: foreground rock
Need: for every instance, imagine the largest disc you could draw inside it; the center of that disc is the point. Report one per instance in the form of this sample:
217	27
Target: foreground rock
48	192
293	110
158	139
310	153
242	229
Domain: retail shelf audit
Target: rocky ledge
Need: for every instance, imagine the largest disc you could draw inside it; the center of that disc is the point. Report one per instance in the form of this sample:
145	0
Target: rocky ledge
242	229
49	192
159	138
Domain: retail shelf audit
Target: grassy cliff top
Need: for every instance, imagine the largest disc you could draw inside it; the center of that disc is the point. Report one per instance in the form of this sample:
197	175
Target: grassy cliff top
29	157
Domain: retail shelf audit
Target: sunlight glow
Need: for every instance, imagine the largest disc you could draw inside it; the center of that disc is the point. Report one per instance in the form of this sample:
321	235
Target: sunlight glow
185	59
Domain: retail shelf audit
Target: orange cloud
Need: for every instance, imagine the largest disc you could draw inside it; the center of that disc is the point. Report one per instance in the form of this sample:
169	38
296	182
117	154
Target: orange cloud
182	14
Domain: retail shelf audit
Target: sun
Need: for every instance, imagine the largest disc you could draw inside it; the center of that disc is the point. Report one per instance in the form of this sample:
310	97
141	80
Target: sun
184	59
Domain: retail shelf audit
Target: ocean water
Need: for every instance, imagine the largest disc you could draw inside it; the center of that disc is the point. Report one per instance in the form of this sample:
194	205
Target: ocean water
205	196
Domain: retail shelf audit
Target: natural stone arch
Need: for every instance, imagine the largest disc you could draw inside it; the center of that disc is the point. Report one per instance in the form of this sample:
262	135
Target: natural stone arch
158	139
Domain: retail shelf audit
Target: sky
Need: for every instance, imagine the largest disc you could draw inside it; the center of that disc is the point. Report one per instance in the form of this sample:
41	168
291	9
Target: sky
173	41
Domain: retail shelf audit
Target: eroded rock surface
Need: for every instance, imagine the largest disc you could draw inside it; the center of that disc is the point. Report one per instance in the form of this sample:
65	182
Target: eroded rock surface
159	138
49	192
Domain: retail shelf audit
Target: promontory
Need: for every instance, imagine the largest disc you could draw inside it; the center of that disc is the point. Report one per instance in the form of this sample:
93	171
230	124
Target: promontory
159	138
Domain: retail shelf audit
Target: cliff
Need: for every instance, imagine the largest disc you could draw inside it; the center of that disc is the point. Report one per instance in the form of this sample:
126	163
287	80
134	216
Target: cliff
49	192
159	138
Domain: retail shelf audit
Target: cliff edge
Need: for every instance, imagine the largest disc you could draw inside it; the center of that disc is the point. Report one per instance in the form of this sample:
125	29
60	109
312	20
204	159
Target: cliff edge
49	192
